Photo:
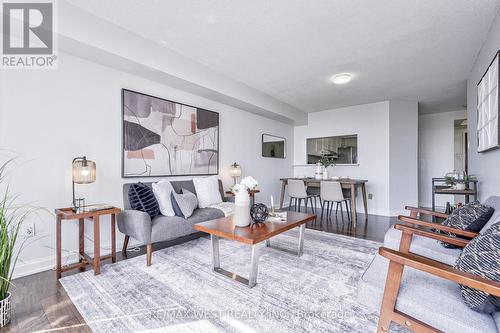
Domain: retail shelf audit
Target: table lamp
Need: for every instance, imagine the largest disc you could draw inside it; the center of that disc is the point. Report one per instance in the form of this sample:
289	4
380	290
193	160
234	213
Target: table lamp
83	172
235	171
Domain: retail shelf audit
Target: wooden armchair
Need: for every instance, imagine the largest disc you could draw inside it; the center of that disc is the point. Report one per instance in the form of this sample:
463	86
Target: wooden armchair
400	259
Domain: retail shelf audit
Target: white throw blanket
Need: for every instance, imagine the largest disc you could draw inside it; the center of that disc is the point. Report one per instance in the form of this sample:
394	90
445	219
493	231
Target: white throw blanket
226	207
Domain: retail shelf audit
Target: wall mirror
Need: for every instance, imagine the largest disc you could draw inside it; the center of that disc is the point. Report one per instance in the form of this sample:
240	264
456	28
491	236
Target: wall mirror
273	146
341	149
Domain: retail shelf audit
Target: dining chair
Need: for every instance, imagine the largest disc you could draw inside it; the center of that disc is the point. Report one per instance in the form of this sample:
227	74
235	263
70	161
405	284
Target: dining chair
298	192
330	193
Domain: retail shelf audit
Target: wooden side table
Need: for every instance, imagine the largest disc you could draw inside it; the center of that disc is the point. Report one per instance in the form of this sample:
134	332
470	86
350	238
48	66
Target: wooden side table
63	214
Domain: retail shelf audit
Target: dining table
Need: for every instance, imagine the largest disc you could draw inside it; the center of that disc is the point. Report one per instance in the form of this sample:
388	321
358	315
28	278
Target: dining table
347	183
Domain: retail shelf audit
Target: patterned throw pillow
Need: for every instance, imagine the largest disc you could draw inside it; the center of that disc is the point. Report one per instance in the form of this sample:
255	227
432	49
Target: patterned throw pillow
482	257
142	198
470	217
185	202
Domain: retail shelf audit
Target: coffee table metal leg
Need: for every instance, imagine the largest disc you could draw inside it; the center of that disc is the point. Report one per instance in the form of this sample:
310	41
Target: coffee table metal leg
300	248
254	267
302	230
215	251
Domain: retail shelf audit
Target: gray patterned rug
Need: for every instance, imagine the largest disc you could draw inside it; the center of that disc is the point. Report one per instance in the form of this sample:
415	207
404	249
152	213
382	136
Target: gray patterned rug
180	293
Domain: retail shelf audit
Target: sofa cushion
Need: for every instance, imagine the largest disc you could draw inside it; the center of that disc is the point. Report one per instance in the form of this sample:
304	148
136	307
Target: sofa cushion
482	257
471	217
170	227
186	203
142	198
430	299
207	191
162	191
423	246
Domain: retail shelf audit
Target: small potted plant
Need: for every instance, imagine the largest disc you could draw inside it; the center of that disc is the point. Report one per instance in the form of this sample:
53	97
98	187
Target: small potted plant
325	161
12	215
459	181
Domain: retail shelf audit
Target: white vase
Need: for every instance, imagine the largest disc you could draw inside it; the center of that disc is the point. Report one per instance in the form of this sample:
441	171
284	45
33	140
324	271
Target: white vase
242	208
5	311
319	171
325	174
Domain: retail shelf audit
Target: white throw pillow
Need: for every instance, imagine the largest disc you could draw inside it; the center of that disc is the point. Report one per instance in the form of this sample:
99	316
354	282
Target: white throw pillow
162	191
207	191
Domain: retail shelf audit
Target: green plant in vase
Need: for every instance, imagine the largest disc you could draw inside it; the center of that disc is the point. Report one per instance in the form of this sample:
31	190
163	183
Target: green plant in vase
12	216
325	161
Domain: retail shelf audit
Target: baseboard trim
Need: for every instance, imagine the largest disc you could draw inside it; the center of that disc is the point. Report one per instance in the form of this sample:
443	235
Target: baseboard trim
37	265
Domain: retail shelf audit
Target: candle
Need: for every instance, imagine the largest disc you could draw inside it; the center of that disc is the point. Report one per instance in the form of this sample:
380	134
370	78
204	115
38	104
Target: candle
272	202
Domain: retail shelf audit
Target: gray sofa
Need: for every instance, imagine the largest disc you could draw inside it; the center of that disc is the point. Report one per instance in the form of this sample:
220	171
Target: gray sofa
140	226
425	297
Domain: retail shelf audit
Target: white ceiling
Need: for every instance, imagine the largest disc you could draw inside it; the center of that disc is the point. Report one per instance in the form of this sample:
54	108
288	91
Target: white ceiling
421	50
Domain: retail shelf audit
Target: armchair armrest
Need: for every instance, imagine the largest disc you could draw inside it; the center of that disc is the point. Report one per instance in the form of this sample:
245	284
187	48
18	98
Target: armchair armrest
441	270
438	226
136	224
415	210
429	234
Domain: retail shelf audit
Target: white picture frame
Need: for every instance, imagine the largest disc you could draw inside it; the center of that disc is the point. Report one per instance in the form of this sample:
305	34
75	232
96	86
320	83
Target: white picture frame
488	120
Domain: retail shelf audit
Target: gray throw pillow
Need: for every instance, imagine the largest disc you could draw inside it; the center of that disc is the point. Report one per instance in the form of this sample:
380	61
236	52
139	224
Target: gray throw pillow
187	202
482	257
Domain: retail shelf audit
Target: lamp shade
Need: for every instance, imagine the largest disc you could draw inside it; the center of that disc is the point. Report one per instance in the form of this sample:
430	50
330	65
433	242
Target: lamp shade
235	170
83	171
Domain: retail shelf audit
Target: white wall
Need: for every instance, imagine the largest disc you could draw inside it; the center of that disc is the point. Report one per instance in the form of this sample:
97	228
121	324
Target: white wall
436	152
484	165
387	150
371	123
51	116
403	159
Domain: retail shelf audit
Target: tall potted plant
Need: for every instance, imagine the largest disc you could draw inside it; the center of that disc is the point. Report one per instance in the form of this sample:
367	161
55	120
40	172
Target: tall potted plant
12	216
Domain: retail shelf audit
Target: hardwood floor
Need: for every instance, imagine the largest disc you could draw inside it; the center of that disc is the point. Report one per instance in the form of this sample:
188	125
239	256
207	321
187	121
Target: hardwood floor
40	303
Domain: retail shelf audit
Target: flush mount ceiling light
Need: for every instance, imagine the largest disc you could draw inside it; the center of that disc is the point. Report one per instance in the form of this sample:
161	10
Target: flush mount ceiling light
341	78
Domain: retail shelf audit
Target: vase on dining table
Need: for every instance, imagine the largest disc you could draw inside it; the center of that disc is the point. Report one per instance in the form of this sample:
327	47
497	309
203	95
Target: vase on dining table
325	174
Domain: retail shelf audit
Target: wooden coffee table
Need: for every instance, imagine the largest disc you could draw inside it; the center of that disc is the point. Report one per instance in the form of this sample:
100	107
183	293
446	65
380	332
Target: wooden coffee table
251	235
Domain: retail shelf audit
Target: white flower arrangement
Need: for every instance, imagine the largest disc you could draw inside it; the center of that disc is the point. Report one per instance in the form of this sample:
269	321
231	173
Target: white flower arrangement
247	183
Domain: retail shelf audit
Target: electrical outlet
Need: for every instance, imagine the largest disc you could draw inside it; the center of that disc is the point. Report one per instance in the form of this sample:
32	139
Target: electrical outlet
370	196
29	229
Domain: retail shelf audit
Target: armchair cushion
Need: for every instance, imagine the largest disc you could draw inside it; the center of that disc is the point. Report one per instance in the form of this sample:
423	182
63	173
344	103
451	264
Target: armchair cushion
142	198
423	246
428	298
482	257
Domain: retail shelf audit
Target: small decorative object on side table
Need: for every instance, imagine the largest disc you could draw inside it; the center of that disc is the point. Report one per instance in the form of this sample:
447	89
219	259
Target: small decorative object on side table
93	213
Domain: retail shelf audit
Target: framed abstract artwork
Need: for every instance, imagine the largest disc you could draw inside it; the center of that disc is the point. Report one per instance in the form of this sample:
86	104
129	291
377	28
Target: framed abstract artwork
488	120
166	138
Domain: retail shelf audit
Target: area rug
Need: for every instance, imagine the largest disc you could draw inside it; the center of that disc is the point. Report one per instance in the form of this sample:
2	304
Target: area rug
180	293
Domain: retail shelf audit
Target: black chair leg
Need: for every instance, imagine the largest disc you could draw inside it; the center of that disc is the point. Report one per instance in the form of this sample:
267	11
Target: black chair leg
341	211
290	204
347	210
337	209
322	207
306	199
